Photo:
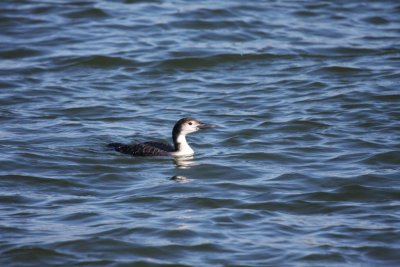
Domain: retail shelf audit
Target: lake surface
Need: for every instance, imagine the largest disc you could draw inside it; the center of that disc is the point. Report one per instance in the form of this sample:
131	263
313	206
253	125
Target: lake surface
302	170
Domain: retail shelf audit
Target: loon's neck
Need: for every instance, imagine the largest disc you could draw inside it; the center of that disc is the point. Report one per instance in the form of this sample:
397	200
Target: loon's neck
182	147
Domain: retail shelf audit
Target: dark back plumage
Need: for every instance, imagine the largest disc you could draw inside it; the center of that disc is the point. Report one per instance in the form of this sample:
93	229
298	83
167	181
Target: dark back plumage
144	149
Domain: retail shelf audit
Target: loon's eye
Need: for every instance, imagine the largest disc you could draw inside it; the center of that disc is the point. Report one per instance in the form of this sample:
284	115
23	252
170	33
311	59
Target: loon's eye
190	123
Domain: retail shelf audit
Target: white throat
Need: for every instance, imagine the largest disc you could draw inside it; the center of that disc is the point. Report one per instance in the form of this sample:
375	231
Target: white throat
183	149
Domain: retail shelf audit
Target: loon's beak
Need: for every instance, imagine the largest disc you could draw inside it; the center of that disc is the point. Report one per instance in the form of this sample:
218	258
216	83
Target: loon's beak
205	126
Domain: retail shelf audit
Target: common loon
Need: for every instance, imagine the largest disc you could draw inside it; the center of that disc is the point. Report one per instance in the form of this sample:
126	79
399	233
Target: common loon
181	147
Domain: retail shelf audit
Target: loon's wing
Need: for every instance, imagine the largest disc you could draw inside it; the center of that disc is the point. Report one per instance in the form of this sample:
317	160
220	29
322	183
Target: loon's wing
145	149
162	146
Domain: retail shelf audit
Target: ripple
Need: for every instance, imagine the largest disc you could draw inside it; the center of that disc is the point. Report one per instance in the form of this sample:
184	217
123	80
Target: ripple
86	13
208	203
376	20
90	111
345	51
353	193
29	179
303	126
96	61
266	157
21	52
305	13
341	70
293	207
390	158
80	217
43	256
331	257
209	61
14	199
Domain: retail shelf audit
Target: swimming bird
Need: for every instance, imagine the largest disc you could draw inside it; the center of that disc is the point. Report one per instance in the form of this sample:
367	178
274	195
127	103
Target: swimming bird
181	147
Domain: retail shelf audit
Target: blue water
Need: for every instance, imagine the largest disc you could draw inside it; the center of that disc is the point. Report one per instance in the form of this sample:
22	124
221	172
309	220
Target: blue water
302	170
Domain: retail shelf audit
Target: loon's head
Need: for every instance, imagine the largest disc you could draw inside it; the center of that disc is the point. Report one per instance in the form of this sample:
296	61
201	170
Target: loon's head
189	125
181	129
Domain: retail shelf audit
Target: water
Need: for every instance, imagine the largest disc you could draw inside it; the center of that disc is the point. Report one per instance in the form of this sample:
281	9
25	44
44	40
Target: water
303	169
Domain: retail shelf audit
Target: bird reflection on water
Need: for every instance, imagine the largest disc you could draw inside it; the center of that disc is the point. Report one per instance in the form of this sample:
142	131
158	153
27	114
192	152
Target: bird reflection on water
180	179
183	163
